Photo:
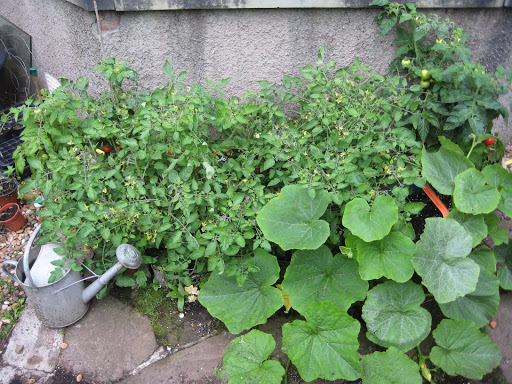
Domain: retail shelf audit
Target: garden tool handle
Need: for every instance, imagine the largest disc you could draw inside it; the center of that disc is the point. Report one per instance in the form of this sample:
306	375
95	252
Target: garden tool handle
4	268
26	267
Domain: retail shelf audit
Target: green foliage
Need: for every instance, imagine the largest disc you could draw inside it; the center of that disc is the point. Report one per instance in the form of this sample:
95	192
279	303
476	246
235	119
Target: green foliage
325	345
441	260
256	300
504	255
245	360
360	218
440	168
317	276
448	94
394	316
389	257
390	367
10	317
321	163
472	195
464	350
291	219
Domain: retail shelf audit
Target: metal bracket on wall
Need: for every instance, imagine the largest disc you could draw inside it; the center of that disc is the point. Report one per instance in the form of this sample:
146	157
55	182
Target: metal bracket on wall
161	5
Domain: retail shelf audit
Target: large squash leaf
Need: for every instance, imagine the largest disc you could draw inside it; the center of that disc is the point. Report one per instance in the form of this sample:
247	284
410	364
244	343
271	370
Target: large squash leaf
291	220
472	195
485	258
440	168
389	257
394	316
497	176
441	260
370	223
504	255
480	305
316	276
325	345
244	306
473	224
245	360
505	204
464	350
390	367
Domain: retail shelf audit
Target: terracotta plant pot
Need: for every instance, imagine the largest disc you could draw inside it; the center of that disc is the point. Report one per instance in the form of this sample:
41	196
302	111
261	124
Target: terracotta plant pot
8	191
11	217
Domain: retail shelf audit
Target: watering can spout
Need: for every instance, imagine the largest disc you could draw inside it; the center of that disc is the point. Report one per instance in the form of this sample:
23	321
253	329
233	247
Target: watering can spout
128	256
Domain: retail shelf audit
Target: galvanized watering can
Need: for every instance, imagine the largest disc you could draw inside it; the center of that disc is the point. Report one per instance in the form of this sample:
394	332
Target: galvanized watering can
65	301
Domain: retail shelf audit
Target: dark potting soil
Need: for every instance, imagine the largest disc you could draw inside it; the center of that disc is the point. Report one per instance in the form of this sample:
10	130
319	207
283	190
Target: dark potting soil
430	210
7	214
6	187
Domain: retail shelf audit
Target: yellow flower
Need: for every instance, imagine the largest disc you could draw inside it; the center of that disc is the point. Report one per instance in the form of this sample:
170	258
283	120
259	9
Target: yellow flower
86	207
192	290
244	180
70	142
116	69
104	190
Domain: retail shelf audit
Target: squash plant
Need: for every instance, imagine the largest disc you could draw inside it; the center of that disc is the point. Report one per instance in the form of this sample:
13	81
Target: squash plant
381	267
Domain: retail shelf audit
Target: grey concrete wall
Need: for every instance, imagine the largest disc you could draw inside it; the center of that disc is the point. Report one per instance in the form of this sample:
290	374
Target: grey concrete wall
245	45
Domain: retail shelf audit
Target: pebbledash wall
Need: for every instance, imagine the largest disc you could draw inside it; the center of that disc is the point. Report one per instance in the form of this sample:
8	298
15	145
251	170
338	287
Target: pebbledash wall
245	40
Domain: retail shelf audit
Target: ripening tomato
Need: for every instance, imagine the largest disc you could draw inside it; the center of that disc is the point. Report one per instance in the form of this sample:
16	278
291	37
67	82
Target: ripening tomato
107	148
490	141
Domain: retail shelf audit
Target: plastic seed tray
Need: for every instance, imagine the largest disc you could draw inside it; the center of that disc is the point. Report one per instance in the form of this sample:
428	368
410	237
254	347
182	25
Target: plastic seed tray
7	148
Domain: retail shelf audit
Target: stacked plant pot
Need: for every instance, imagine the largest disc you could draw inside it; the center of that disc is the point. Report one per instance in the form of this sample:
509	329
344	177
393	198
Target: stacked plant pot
10	212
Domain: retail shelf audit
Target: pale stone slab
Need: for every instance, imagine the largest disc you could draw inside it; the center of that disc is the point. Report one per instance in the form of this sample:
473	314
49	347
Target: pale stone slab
109	342
502	334
37	346
195	364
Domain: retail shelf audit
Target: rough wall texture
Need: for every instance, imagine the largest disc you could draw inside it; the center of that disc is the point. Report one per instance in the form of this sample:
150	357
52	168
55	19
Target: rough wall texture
244	45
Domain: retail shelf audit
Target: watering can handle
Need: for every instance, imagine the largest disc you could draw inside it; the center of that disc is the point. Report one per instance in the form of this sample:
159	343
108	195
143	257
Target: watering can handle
26	267
4	268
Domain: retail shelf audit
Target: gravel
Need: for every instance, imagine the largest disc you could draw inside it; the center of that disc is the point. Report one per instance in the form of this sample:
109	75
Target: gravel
12	245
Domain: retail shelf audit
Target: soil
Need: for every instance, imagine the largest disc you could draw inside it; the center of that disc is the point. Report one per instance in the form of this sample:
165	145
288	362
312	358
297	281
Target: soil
8	213
7	187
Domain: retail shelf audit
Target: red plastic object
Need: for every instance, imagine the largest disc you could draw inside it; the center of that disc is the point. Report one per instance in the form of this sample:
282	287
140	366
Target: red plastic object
17	221
436	200
9	192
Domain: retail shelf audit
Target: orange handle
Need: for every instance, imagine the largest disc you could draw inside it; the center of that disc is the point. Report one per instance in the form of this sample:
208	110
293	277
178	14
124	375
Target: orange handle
436	200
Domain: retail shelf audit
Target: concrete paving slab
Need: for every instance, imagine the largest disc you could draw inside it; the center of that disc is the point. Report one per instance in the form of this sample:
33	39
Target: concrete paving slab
108	343
502	334
32	346
195	364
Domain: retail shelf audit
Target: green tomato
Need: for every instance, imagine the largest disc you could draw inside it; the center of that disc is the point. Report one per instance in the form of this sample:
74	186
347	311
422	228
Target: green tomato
405	63
425	75
425	83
